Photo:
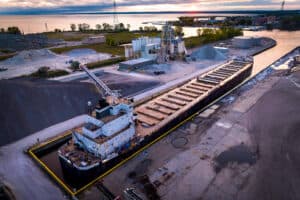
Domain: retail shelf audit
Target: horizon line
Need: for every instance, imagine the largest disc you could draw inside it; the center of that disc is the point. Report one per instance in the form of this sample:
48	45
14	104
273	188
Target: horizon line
294	11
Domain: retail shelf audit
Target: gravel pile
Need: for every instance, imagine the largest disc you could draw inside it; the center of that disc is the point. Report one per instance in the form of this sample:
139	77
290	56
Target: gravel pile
23	42
27	106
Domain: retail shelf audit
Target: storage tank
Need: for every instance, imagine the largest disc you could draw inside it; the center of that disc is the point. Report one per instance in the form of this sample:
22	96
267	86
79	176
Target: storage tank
181	47
172	47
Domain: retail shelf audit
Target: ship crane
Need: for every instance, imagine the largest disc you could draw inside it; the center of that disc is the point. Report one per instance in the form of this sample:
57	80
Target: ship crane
112	97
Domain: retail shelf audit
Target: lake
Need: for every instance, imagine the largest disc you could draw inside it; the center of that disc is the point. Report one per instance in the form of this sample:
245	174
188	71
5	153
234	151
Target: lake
42	23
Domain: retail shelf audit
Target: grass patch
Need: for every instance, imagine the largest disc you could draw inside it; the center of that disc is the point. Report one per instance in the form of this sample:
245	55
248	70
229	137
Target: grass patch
104	63
4	57
101	48
192	42
115	39
68	36
211	35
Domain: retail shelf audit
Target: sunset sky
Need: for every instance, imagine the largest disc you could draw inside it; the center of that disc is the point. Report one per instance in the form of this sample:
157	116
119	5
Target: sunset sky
69	6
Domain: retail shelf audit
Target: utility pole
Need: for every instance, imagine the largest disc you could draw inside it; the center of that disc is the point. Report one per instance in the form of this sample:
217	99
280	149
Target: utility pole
46	27
282	5
116	20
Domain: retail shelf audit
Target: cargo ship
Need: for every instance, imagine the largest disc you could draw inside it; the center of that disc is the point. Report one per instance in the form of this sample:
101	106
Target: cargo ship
116	131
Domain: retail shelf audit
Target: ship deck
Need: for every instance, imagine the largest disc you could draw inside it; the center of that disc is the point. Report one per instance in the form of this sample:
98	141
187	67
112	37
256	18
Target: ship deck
155	114
158	112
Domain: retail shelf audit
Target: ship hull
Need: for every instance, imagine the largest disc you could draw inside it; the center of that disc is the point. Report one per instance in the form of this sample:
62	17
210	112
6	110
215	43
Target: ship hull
73	174
96	171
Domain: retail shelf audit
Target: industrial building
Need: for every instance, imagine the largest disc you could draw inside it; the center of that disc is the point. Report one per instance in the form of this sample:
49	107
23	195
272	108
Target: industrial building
149	50
145	47
135	63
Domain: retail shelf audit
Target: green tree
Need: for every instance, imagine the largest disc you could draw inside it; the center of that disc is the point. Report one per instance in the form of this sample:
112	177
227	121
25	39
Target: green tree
98	27
83	27
199	31
122	26
13	30
106	27
128	26
73	27
186	21
179	31
57	30
75	65
43	72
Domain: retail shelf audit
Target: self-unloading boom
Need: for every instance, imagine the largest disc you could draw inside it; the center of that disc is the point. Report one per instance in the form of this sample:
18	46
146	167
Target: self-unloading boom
108	93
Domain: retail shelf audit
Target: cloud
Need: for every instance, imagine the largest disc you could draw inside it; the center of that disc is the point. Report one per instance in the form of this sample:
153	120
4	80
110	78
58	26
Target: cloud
63	6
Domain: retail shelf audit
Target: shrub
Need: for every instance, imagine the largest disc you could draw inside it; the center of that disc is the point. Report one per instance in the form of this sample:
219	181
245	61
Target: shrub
75	65
211	35
14	30
45	72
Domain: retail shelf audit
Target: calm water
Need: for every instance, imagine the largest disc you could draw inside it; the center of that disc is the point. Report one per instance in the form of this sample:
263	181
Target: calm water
37	23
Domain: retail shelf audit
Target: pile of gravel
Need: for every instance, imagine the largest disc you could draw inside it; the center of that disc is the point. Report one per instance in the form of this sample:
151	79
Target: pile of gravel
29	56
23	42
29	105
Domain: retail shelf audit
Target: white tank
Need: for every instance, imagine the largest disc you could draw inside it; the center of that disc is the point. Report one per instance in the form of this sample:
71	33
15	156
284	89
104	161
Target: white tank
181	47
172	48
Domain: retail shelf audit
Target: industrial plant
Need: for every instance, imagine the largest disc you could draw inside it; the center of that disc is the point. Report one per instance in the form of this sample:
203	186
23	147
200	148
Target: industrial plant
144	51
116	104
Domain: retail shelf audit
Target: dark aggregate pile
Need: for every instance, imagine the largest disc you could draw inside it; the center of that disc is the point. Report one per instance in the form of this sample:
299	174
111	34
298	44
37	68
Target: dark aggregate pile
29	105
14	42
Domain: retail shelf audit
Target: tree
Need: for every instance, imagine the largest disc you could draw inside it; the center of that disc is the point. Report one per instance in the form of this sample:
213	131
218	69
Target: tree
141	29
43	72
128	26
199	32
122	26
186	21
14	30
57	30
179	31
73	27
2	30
98	27
146	28
106	26
75	65
83	27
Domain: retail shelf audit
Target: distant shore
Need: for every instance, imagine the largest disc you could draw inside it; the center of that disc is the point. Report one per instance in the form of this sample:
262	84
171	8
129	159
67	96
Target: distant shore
58	12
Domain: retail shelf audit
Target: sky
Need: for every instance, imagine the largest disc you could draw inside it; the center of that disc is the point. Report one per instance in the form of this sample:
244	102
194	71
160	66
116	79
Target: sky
73	6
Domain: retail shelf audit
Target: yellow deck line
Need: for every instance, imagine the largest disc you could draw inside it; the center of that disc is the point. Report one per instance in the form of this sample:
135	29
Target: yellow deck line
130	157
52	173
37	146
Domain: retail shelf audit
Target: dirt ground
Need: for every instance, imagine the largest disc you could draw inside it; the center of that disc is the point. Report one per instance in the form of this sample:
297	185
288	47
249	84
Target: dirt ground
274	122
183	165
